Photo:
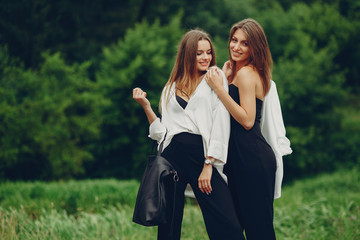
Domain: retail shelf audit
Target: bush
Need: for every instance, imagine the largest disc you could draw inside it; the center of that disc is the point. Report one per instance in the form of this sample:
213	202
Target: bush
311	85
141	59
48	116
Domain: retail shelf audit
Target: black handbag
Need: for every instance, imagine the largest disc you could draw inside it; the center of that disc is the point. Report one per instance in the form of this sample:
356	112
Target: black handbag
150	207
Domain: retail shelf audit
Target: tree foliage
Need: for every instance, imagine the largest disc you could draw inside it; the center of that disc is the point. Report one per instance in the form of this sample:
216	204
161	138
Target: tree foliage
67	70
78	29
143	59
311	83
47	118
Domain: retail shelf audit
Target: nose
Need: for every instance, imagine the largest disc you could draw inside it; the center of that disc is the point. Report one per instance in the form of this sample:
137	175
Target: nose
205	56
236	46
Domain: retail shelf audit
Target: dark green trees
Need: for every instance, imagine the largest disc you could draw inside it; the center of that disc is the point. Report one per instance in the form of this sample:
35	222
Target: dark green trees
142	59
68	70
48	117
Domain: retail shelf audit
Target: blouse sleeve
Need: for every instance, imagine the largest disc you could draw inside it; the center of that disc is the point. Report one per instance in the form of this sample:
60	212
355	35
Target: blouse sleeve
157	129
220	131
272	124
273	130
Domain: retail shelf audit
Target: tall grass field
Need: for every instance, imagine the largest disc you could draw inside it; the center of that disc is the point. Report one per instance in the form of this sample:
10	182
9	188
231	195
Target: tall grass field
321	208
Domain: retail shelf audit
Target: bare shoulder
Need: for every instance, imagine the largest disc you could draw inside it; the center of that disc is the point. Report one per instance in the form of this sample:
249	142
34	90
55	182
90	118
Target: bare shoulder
246	76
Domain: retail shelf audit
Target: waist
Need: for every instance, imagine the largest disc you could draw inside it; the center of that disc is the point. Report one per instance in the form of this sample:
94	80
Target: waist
188	138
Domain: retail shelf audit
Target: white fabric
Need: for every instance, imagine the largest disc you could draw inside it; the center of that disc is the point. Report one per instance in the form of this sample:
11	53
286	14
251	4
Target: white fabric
273	130
204	114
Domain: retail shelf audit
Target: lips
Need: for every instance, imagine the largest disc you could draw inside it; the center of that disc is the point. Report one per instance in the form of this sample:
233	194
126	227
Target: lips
204	63
236	54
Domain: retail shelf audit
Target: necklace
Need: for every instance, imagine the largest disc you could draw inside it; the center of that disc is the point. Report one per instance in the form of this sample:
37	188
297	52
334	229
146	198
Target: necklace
183	92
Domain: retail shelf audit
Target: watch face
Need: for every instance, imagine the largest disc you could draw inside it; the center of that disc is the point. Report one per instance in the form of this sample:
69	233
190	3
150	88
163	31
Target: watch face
208	161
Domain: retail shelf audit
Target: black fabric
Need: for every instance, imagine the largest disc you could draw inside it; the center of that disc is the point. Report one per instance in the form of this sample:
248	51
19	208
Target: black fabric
186	154
150	207
250	168
181	102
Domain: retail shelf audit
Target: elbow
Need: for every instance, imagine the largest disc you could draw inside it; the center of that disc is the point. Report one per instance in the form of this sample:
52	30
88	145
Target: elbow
248	125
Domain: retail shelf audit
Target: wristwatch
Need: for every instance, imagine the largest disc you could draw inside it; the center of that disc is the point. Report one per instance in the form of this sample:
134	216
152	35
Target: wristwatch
208	162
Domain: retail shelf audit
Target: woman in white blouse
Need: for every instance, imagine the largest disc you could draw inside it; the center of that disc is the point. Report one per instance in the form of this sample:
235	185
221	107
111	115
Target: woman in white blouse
198	130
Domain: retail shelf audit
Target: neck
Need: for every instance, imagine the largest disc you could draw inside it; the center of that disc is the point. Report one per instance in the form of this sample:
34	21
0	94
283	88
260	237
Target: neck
241	64
200	75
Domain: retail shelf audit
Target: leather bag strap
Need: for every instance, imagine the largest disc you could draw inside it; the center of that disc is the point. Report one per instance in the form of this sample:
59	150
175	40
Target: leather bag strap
175	178
162	144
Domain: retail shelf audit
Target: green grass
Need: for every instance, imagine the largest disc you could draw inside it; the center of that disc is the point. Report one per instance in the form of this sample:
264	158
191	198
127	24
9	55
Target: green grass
73	196
324	207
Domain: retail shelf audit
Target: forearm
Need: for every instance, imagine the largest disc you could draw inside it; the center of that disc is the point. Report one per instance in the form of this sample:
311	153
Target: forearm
150	114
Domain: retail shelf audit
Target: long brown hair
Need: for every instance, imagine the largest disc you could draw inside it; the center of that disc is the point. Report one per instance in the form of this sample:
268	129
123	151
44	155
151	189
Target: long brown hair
184	73
260	55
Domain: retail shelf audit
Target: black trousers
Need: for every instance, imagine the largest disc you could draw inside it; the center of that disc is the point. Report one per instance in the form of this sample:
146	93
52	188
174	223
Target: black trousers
251	179
186	154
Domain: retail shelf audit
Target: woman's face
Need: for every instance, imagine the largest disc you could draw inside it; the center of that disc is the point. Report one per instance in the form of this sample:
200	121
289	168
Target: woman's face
239	48
203	55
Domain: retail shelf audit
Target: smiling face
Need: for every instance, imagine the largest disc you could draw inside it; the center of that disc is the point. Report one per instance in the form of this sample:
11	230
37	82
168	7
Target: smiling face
203	55
239	48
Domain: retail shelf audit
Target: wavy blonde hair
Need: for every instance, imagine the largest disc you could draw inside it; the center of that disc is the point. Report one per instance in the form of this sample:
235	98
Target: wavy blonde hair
260	55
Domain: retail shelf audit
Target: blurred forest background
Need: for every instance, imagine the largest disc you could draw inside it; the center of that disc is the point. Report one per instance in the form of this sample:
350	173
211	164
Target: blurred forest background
67	70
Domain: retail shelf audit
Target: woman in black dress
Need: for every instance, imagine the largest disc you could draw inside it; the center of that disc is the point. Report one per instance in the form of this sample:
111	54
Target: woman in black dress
251	162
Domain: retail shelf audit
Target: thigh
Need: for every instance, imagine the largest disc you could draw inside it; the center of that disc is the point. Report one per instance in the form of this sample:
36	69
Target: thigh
175	199
253	195
218	209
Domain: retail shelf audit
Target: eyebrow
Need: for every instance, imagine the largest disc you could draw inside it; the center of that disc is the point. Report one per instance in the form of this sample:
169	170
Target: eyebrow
233	36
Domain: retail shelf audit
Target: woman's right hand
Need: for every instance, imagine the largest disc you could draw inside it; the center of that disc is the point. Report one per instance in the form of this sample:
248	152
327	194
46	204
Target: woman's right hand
227	68
140	96
204	180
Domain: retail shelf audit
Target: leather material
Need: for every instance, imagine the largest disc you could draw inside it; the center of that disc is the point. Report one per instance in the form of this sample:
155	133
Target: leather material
150	207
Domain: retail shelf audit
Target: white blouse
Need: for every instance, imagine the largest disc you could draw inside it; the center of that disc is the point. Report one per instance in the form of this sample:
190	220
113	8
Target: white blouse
273	130
204	114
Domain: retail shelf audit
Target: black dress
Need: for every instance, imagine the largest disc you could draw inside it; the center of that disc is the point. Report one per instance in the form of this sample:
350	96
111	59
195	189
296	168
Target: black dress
250	168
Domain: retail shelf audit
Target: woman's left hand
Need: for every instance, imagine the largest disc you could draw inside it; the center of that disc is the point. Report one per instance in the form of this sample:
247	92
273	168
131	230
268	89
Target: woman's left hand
214	78
204	180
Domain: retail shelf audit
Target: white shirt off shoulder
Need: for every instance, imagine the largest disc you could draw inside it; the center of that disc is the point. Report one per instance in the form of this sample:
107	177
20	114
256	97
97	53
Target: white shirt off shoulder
273	130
